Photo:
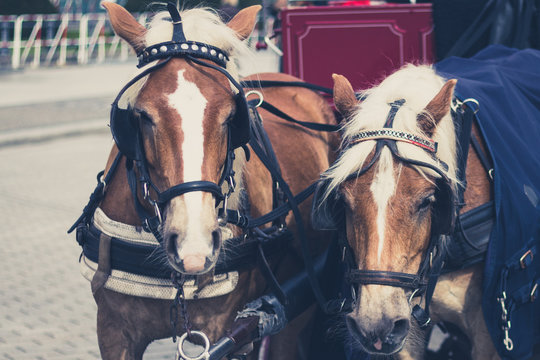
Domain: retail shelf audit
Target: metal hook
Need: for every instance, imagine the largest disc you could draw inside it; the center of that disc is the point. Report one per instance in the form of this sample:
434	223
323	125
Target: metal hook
259	94
412	295
474	101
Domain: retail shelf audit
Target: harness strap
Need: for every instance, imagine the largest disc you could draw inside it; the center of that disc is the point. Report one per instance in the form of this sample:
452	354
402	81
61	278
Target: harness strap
97	195
310	125
390	278
463	119
259	134
146	260
394	107
149	222
484	159
206	186
178	30
308	261
253	84
246	222
104	263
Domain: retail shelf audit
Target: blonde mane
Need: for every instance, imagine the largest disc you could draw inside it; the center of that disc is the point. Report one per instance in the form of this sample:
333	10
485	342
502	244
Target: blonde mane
417	85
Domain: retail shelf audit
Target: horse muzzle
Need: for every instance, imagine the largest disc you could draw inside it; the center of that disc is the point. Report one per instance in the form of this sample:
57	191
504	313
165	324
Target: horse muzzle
384	337
192	259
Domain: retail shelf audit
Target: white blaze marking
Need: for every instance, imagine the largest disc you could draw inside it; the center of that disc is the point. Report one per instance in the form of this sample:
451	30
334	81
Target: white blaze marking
382	188
190	103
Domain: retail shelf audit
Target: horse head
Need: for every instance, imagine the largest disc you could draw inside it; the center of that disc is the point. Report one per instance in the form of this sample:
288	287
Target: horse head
392	185
183	121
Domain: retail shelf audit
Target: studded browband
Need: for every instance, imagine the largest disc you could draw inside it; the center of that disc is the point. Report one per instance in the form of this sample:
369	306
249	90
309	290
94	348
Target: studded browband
182	48
398	135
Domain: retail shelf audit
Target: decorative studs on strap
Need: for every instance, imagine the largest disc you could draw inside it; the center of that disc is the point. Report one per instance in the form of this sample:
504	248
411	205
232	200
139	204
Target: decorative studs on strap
398	135
179	49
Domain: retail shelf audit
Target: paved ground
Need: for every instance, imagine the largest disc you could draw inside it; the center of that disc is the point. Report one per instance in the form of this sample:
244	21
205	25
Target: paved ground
53	140
46	308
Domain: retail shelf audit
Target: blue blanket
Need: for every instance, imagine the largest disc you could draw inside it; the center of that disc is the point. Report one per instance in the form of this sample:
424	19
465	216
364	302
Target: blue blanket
506	82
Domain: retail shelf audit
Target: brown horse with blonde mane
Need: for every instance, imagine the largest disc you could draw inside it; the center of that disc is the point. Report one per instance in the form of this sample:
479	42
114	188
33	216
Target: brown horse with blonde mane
187	118
394	183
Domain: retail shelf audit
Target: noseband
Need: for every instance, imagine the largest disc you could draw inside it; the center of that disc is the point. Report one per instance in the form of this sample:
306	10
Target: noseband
423	282
128	136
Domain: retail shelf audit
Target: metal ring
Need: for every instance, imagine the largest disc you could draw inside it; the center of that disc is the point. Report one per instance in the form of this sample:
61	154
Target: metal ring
474	101
203	355
412	295
259	94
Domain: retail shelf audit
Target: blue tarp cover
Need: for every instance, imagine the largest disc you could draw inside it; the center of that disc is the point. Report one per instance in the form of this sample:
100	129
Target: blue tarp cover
506	82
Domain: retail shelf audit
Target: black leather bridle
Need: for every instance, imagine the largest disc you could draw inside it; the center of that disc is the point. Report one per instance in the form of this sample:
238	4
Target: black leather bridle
128	136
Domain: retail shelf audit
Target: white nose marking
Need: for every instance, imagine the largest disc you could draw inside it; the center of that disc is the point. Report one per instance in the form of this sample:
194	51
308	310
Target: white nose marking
190	103
382	188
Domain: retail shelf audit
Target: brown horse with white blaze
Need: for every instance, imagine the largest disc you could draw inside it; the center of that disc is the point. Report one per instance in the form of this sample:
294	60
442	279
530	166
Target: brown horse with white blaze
183	111
395	179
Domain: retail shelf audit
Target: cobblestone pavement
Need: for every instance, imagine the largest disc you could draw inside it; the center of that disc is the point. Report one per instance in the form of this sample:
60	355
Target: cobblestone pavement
46	307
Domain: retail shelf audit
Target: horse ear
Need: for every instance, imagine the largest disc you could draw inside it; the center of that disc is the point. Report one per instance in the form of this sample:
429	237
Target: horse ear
244	21
125	26
437	108
344	96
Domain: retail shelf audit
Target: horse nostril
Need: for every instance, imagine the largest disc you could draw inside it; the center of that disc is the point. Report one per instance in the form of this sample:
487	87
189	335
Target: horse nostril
170	244
399	331
216	241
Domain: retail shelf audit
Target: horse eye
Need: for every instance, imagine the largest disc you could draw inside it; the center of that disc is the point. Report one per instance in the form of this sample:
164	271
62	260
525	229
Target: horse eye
230	118
143	115
426	202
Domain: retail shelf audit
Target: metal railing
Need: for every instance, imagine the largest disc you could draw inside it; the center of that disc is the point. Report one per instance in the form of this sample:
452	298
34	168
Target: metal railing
59	39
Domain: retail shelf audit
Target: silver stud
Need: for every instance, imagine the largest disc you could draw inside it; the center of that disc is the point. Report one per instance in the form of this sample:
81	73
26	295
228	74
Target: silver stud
184	46
153	51
195	47
213	52
220	56
204	49
163	48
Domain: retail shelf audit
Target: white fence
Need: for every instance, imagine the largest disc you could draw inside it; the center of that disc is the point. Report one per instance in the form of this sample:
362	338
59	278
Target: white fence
59	39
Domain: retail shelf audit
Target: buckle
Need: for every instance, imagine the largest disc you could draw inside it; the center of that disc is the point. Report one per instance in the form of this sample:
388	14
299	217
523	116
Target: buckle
526	259
534	292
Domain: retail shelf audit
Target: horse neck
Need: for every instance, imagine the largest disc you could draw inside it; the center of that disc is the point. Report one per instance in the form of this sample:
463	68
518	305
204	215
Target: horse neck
478	190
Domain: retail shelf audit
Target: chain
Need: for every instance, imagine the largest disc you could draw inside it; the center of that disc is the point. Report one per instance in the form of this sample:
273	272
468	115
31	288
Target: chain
179	302
506	325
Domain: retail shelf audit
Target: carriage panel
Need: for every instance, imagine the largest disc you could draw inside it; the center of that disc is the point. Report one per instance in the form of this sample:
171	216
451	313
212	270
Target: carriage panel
317	41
